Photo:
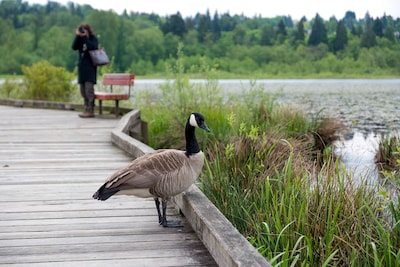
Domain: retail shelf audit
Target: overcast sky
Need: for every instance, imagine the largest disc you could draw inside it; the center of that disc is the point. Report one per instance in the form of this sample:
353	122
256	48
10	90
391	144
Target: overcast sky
267	8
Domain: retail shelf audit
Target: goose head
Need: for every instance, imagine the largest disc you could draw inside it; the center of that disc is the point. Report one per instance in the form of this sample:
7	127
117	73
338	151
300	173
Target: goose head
195	120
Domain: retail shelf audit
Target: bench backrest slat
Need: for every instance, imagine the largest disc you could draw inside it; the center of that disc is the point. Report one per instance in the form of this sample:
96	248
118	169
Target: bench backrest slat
118	79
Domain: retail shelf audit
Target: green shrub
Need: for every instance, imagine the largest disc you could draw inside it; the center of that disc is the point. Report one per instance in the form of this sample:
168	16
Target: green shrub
43	81
9	88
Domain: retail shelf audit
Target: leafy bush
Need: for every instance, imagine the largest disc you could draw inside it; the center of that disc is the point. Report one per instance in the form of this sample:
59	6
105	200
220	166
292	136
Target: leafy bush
43	81
9	88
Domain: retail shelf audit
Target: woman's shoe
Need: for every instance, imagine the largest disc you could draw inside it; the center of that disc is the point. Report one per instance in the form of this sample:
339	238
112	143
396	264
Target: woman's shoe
87	114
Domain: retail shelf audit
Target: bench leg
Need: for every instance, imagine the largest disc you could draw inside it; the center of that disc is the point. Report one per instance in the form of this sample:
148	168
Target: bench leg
100	106
116	108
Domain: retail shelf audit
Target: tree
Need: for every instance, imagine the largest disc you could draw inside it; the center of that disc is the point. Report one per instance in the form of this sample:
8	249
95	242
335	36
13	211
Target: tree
341	38
349	19
148	39
353	30
105	25
318	32
267	35
175	25
227	22
281	28
378	27
239	35
203	28
368	38
281	32
288	21
360	30
389	33
331	25
216	27
150	44
299	36
120	52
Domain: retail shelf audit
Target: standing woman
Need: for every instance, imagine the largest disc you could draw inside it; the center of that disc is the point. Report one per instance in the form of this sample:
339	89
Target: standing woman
84	41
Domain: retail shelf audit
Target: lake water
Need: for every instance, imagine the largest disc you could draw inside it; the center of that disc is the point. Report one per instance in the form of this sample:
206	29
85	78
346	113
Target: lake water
368	108
363	105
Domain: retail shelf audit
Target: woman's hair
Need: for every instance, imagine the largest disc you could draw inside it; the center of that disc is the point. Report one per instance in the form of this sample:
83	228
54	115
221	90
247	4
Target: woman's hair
87	27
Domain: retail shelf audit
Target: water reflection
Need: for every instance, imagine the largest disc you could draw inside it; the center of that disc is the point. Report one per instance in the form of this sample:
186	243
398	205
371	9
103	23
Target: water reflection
358	155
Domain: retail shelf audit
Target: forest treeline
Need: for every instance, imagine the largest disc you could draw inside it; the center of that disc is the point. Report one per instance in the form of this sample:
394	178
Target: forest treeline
233	44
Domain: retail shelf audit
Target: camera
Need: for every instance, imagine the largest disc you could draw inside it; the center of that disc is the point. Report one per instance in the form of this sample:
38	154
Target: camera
82	30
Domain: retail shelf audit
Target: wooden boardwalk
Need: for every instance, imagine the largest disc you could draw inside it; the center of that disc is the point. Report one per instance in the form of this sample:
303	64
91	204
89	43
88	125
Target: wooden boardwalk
51	162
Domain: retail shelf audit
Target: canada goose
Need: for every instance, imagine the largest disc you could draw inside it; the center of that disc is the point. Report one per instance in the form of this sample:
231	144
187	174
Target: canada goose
160	174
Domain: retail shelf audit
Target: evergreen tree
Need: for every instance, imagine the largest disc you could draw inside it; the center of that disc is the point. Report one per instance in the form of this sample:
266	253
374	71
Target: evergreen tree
174	24
216	28
267	35
360	30
189	24
353	30
368	38
281	28
349	19
318	32
120	51
227	23
289	22
341	38
367	17
299	36
203	28
239	35
281	32
389	33
378	27
385	21
331	26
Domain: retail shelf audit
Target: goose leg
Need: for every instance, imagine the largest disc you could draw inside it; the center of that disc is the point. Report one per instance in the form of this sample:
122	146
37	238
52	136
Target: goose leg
165	223
157	201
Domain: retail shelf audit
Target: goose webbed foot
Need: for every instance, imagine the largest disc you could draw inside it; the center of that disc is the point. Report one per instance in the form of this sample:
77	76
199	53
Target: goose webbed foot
171	224
162	217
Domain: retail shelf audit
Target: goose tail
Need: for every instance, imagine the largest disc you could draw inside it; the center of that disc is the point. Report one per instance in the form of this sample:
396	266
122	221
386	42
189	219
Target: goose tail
104	193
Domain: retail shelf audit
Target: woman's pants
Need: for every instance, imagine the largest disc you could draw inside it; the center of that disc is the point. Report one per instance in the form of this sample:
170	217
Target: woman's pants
87	92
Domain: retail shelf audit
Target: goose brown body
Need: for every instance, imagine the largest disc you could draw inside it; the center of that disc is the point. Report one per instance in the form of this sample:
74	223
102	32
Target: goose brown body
156	174
160	174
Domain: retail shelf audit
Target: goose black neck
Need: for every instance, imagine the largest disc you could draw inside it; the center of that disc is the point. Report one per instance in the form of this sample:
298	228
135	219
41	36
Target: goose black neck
192	147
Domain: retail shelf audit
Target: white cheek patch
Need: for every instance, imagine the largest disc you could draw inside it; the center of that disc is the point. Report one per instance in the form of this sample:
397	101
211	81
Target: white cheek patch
193	121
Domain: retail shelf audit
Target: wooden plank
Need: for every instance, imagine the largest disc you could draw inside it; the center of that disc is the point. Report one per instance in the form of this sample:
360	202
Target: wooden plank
121	262
153	262
51	162
144	248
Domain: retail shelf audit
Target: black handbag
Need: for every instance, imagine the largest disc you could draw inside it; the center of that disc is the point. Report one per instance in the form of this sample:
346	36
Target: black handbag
99	57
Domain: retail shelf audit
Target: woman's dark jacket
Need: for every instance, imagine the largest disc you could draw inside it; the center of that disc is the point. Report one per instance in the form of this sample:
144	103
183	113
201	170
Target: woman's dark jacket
87	72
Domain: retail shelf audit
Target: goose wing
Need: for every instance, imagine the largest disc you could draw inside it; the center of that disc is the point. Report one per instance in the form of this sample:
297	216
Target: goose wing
147	170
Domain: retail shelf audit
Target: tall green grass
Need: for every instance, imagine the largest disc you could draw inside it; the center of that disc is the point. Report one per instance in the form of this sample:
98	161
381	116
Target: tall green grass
270	171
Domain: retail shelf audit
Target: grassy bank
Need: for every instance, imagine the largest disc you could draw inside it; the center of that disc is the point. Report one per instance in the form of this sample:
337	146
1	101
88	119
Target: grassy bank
271	172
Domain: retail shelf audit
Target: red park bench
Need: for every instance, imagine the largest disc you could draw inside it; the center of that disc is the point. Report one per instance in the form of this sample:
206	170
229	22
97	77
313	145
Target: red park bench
120	79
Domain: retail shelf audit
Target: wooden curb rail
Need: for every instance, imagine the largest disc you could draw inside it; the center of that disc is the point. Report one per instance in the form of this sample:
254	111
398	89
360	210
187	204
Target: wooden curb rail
224	242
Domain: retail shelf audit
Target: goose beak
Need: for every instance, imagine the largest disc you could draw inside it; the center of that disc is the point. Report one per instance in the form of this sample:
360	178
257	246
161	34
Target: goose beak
204	127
